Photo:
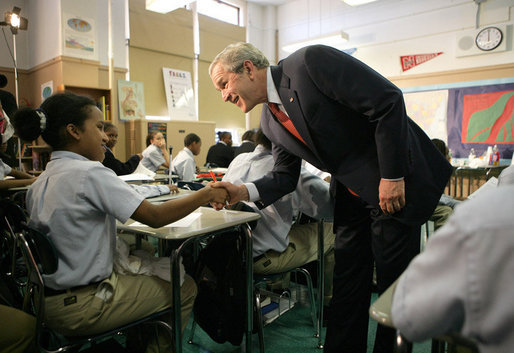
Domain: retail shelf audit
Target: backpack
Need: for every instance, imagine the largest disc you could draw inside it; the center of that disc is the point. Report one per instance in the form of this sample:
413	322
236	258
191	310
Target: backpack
220	305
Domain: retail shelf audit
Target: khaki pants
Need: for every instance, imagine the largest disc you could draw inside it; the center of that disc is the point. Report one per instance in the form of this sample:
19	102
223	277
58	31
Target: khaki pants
441	215
17	331
302	249
133	297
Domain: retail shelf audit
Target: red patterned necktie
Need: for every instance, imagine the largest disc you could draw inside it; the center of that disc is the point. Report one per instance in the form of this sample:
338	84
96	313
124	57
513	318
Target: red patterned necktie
285	121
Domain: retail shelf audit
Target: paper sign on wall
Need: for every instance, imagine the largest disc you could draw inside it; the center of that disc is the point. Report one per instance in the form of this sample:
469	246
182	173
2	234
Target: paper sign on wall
179	94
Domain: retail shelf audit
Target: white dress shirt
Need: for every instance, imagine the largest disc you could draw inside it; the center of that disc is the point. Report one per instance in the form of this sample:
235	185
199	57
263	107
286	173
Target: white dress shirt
311	197
464	280
184	165
152	158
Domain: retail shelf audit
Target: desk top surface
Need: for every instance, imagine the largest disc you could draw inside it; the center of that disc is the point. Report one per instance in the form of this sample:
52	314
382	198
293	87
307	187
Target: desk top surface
208	221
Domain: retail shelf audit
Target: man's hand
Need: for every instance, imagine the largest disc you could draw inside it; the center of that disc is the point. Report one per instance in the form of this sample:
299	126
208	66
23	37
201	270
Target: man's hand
391	195
235	192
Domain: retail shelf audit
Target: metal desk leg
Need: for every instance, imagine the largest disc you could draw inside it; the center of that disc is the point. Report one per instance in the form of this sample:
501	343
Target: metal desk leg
321	280
249	288
175	283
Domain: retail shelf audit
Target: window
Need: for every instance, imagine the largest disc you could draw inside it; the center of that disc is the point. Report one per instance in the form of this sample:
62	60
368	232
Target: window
220	10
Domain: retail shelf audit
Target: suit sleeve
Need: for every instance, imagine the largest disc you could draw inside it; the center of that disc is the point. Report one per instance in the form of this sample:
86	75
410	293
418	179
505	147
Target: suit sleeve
360	88
281	180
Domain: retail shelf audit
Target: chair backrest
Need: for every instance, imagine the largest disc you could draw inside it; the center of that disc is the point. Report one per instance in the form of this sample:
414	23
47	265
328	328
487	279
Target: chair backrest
12	221
41	259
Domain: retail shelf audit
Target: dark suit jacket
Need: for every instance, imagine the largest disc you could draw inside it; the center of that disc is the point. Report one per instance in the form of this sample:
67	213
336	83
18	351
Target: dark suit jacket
220	154
245	147
118	166
355	127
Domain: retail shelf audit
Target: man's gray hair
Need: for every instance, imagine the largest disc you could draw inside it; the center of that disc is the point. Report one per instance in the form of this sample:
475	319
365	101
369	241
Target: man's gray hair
234	55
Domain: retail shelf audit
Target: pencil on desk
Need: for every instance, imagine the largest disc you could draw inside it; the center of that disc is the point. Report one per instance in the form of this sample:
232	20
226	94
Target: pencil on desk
213	176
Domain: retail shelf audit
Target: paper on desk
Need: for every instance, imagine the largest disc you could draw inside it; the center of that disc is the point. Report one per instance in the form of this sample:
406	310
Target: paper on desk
184	222
492	183
141	173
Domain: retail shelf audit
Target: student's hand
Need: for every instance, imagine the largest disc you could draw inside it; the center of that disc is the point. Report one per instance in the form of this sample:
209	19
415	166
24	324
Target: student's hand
173	189
236	192
218	197
391	195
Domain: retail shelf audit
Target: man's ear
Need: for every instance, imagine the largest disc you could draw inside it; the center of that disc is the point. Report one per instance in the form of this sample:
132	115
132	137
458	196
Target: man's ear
73	131
249	68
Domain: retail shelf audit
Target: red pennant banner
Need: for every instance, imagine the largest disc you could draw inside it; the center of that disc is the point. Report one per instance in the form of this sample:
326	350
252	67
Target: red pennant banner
409	61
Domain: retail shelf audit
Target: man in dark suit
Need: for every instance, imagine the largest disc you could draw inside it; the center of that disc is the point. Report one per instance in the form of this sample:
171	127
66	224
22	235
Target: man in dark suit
221	154
344	118
247	143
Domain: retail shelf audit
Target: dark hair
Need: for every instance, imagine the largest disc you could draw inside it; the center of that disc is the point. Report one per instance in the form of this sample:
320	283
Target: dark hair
222	134
108	125
59	110
441	146
150	137
190	138
261	139
248	136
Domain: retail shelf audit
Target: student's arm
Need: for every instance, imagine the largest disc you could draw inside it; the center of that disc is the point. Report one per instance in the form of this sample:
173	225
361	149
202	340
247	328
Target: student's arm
15	183
21	175
166	156
159	215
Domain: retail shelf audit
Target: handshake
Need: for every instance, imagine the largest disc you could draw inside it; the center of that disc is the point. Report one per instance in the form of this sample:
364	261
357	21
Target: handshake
233	193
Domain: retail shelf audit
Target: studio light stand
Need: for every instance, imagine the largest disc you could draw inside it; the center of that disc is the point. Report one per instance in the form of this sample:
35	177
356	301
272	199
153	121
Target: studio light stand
15	22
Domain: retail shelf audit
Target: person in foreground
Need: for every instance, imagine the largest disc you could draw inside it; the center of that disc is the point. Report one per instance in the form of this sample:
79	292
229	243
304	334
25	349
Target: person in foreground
278	244
119	167
333	111
462	282
76	202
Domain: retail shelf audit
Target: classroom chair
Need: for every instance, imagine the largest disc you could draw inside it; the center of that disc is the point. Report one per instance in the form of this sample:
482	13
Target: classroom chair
41	259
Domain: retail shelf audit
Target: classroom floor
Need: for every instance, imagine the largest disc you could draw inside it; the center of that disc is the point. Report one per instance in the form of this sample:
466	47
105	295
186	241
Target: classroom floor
292	332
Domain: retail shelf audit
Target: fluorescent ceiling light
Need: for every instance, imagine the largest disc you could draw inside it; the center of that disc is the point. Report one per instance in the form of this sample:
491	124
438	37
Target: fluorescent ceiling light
333	40
357	2
165	6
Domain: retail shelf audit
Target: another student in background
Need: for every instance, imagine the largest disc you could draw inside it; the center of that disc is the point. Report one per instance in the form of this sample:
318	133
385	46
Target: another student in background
221	154
184	164
110	161
20	178
446	204
76	202
155	154
247	144
278	244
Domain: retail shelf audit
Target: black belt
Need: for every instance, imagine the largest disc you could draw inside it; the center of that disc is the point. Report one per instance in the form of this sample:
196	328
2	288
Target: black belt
50	292
257	258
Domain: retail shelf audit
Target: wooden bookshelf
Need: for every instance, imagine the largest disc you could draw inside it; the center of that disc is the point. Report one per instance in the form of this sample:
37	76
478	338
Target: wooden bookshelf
102	97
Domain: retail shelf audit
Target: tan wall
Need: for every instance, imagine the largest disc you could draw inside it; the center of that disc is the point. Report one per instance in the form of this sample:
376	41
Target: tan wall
166	40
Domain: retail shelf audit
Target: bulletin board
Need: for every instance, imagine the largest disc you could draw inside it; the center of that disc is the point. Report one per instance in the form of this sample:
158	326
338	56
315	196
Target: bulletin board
479	117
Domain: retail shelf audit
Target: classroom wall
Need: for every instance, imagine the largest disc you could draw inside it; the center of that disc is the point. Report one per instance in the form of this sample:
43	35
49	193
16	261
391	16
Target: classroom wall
166	40
385	30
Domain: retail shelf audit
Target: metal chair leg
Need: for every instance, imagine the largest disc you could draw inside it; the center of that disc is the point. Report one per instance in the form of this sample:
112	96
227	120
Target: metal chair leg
192	334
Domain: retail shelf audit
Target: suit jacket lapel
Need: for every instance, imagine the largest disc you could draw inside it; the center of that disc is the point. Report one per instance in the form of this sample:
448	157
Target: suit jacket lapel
291	104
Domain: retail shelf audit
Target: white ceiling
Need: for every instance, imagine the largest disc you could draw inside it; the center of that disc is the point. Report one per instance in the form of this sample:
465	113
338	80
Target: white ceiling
270	2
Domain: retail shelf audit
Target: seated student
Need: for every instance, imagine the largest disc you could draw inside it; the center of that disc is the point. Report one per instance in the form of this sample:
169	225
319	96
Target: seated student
446	204
155	154
20	178
278	244
221	154
76	202
462	282
110	161
247	143
184	164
